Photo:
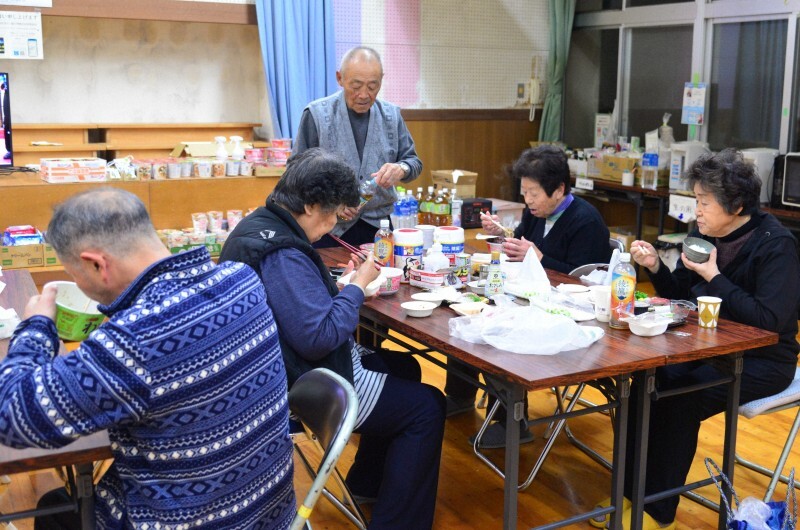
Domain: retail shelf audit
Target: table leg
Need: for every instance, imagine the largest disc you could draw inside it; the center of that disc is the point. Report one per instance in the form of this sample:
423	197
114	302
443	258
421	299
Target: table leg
514	413
731	424
620	443
85	489
643	391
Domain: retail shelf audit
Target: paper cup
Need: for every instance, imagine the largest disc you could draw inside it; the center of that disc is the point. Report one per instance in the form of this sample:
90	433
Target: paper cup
76	314
708	311
602	302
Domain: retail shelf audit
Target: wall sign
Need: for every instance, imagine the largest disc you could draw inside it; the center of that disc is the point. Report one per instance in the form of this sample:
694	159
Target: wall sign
21	35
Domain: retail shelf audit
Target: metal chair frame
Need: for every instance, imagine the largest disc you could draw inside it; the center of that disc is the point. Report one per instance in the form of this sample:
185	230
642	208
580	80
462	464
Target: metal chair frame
327	405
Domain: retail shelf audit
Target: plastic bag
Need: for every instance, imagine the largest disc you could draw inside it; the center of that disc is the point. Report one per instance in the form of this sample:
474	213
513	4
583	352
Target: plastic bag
526	330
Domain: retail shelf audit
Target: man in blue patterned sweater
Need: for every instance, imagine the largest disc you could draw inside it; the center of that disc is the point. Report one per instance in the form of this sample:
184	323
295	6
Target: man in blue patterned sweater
186	375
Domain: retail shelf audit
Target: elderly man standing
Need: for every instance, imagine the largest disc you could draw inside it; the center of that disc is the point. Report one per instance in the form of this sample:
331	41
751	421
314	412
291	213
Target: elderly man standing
369	134
186	375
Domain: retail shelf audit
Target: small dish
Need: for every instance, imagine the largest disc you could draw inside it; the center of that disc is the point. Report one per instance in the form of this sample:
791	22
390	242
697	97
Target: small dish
434	298
647	325
468	308
572	288
477	286
418	309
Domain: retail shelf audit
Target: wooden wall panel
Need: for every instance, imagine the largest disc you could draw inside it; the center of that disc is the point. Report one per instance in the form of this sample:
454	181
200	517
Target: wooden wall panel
482	145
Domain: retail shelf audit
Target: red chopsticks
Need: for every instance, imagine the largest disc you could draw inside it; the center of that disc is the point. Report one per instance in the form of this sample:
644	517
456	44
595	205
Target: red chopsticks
354	250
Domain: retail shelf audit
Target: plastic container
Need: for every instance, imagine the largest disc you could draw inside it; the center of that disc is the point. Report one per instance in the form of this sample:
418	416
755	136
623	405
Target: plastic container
221	153
407	250
435	260
623	288
451	239
76	314
494	277
649	171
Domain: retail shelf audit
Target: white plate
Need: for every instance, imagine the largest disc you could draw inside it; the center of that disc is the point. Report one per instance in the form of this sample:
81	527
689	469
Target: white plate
468	308
572	288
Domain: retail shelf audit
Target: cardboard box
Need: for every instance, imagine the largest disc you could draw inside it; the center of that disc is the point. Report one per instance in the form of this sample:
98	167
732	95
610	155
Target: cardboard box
49	255
613	166
627	234
60	170
21	256
213	248
465	186
262	170
204	148
510	213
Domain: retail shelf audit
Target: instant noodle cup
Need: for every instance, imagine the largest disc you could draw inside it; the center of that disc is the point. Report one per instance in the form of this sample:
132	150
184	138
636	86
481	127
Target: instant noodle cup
214	221
246	168
218	168
282	143
76	314
234	216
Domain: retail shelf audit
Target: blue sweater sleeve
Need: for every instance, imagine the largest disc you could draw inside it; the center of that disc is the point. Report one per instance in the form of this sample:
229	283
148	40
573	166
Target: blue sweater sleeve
48	401
311	321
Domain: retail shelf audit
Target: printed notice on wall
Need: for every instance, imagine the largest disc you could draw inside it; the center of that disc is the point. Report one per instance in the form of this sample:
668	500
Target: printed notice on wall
694	104
21	35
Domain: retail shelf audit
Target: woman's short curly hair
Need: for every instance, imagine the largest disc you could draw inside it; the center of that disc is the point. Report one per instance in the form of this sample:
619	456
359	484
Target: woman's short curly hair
316	176
730	178
546	165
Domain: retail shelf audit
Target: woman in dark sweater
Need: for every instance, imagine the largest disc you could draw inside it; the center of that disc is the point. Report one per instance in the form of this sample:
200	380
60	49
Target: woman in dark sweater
755	270
565	232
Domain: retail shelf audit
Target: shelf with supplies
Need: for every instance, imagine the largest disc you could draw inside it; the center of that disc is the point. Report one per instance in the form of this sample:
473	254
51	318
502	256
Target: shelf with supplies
26	199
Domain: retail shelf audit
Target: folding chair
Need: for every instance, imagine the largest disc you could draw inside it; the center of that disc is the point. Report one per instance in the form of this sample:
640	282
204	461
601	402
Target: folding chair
789	398
326	405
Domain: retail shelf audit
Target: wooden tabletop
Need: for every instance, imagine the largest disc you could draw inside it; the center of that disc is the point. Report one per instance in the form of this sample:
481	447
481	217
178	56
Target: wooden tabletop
19	288
618	352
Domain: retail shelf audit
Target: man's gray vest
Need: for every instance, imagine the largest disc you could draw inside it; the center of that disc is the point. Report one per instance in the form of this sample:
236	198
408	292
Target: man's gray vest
336	135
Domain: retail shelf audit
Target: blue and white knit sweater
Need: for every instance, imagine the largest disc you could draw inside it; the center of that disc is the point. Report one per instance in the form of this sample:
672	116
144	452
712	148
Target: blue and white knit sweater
187	377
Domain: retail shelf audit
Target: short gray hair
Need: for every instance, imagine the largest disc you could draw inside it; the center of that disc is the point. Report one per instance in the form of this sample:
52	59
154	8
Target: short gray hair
730	178
110	219
360	53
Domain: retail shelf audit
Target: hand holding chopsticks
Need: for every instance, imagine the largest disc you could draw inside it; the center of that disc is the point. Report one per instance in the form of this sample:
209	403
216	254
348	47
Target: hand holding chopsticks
357	252
507	232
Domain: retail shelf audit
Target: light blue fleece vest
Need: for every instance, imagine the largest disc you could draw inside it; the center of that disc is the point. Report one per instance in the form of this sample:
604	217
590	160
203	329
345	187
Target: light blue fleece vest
335	134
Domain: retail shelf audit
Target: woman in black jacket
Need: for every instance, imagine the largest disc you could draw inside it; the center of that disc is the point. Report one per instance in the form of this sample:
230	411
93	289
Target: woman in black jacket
754	269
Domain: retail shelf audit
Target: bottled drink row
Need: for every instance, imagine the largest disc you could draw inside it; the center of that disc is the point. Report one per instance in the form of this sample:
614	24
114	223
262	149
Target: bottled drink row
436	207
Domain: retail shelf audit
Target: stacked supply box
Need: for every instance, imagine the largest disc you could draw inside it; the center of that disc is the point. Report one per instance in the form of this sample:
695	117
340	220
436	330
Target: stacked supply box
60	170
462	181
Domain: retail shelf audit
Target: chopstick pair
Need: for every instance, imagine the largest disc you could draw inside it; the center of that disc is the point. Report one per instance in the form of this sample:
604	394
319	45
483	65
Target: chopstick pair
355	251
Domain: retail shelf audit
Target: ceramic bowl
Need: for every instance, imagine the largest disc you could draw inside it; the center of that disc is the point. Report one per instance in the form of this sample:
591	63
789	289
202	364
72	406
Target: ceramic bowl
418	309
696	249
434	298
390	280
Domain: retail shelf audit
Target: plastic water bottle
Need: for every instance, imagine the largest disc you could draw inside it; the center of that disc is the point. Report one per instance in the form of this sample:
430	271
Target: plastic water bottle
650	171
397	215
623	290
411	210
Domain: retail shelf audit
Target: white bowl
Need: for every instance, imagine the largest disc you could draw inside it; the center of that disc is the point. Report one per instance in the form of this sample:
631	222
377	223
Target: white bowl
572	288
372	287
477	286
418	309
648	327
434	298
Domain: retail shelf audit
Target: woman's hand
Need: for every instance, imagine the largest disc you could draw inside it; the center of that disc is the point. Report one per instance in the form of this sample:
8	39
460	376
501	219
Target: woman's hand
366	271
645	255
706	270
516	249
489	227
348	213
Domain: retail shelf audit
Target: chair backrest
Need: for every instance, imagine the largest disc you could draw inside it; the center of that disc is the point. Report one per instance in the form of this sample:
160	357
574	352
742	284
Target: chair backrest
616	244
327	405
583	270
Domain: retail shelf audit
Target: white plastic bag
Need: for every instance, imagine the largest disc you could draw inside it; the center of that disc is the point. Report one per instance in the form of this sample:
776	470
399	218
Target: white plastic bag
526	330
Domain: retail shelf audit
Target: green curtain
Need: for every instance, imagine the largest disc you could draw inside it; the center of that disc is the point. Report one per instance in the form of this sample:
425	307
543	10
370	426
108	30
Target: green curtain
562	13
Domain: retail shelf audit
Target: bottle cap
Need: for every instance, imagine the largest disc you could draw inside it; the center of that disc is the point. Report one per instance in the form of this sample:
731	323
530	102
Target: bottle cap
625	257
384	223
495	255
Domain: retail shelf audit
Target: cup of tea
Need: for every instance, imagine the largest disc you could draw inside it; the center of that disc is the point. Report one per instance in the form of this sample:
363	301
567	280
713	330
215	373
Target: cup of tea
708	311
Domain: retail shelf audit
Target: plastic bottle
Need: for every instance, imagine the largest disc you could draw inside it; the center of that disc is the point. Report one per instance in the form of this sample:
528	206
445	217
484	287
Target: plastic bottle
439	209
623	289
455	210
222	152
423	217
384	244
494	277
650	171
411	210
398	212
237	153
435	259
